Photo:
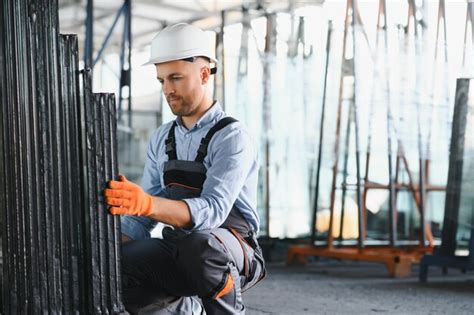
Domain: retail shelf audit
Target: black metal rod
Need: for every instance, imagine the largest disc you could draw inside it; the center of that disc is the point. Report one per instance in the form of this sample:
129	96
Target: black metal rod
89	38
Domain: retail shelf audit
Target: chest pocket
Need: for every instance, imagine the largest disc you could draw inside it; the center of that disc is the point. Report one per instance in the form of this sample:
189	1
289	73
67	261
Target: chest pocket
184	179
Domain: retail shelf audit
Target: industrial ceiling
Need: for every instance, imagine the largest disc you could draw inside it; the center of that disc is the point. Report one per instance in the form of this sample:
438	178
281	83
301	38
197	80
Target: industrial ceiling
149	16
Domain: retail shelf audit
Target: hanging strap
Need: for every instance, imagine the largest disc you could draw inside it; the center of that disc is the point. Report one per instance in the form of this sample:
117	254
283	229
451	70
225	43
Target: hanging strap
202	151
170	143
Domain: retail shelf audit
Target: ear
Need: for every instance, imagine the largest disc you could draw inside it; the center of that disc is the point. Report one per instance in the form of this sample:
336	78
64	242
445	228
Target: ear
205	74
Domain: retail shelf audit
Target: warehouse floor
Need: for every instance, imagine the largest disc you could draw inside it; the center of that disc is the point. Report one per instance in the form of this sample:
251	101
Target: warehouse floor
343	287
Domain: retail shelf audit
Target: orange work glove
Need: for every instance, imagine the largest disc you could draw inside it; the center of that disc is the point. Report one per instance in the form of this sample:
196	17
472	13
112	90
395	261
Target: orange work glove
125	197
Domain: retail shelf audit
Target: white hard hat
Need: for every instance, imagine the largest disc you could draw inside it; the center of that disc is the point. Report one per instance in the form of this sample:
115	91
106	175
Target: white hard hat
180	41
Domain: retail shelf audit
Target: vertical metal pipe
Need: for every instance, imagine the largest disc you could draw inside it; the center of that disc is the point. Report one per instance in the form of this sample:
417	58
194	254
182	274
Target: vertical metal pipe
129	61
125	67
219	80
89	38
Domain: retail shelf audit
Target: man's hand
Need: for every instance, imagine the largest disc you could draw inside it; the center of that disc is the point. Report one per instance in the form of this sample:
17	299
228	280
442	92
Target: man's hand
125	197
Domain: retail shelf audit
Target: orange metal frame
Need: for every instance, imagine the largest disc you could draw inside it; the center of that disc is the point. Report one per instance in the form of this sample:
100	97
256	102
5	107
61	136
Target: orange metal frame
397	260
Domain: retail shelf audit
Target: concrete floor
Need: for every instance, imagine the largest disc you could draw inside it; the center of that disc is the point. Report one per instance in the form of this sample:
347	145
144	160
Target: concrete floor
343	287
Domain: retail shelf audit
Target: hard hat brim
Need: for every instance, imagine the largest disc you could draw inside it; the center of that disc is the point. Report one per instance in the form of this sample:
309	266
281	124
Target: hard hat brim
163	60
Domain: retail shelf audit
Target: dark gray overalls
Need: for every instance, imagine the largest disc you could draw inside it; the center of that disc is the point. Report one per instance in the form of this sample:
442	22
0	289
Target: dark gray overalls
159	273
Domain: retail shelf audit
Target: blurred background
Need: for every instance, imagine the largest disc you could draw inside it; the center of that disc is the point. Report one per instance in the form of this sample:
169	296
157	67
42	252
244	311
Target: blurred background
351	103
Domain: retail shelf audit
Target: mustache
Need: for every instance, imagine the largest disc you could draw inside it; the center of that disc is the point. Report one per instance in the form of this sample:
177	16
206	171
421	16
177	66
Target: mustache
172	98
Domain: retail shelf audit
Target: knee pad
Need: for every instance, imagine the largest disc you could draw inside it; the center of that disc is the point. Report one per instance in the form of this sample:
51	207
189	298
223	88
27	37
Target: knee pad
205	262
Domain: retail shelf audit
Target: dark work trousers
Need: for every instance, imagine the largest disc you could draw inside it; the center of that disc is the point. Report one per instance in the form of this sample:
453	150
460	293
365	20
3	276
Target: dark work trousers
160	272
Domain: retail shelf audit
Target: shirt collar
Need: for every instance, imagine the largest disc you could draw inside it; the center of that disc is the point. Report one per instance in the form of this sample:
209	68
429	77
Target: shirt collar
214	111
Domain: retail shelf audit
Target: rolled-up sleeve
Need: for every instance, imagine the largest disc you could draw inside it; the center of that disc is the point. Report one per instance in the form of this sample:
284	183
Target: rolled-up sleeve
231	157
151	180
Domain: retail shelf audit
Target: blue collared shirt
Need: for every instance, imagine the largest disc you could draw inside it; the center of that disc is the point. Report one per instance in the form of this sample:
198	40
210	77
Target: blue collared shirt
232	173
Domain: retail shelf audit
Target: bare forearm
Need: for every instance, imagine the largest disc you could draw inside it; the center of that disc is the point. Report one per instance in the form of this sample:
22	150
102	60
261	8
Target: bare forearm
173	212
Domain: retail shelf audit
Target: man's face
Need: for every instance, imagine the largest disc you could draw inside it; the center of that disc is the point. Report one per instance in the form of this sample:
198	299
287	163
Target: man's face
182	83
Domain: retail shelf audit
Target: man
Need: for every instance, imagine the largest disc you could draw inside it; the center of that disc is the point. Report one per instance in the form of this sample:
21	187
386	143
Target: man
200	179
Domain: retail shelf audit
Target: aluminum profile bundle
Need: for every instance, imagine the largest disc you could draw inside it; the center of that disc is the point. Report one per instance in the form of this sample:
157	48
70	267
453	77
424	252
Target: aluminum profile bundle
60	247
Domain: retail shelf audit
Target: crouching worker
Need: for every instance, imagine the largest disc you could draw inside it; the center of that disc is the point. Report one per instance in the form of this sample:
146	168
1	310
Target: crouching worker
200	179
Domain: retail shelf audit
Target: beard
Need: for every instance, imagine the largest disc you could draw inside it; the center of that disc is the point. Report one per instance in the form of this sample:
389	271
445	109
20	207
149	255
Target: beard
178	106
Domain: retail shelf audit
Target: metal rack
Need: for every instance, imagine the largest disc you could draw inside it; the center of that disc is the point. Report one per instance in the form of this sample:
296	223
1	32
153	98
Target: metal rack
397	255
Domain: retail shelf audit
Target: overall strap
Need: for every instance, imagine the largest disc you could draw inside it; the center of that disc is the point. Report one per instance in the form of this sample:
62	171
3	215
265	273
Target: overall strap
170	143
202	151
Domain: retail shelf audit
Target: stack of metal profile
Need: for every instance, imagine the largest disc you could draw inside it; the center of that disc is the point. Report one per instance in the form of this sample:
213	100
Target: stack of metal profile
60	247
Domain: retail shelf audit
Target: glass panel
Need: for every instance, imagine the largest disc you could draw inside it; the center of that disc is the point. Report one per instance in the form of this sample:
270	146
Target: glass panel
466	207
